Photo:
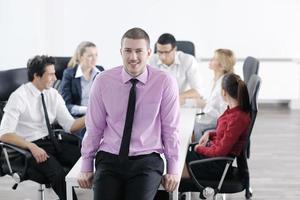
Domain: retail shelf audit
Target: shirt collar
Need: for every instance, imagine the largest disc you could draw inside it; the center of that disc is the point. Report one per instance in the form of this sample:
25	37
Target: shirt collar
176	60
141	78
35	92
79	72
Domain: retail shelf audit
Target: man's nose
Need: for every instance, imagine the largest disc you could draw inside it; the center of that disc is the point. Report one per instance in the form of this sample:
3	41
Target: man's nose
133	56
162	56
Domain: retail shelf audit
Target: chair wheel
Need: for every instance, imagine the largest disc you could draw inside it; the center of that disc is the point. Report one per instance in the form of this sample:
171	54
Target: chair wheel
248	194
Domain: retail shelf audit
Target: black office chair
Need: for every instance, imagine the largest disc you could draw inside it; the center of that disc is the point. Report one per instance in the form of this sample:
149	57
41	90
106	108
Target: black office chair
14	160
250	67
61	63
239	179
184	46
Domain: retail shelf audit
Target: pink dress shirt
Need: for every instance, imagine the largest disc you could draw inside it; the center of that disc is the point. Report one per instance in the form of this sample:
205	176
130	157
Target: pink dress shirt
156	118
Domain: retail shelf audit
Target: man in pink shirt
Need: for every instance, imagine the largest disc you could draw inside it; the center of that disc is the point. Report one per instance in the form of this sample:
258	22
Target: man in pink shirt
130	167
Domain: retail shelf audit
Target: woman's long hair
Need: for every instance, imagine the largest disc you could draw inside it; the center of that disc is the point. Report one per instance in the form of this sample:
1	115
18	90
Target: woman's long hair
237	89
81	48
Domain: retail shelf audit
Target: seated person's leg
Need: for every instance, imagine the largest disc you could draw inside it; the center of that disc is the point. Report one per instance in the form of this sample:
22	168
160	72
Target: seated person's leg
69	155
54	172
209	170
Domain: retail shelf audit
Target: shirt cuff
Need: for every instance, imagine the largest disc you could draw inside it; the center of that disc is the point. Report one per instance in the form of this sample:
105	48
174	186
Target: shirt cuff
78	110
87	165
172	167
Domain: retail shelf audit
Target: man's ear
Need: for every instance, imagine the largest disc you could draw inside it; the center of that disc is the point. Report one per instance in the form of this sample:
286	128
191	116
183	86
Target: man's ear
36	77
149	50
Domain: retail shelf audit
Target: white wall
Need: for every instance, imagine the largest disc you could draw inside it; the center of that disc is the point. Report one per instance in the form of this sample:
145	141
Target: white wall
22	31
265	28
276	86
260	28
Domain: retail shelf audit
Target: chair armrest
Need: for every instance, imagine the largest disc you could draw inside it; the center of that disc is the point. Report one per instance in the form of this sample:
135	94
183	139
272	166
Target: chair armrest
209	191
196	162
12	150
24	152
67	137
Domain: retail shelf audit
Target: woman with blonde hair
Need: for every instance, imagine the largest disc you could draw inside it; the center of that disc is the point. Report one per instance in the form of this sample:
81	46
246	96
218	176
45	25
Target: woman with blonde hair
78	77
221	63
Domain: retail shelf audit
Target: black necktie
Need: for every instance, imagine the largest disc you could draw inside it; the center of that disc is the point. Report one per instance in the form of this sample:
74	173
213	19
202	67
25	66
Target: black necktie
51	134
124	149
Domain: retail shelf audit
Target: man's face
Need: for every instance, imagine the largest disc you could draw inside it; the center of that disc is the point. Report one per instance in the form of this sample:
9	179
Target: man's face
47	79
135	54
166	53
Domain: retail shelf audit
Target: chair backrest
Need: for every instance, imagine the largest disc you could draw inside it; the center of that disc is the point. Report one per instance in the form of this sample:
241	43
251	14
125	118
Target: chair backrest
250	67
61	64
10	80
253	90
253	86
184	46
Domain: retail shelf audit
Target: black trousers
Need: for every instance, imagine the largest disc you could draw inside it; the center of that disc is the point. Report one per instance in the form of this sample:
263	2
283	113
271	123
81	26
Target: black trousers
137	177
54	168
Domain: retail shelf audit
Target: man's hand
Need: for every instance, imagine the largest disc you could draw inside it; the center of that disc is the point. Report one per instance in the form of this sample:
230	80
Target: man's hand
38	153
85	179
170	182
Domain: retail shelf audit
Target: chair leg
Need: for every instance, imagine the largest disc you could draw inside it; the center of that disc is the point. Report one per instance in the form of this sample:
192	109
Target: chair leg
220	197
41	192
188	196
248	193
224	196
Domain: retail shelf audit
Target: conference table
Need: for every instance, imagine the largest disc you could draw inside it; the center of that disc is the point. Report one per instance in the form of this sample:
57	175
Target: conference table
186	125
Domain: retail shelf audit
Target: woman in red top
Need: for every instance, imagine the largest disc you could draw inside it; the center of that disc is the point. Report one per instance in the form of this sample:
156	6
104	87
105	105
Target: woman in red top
231	133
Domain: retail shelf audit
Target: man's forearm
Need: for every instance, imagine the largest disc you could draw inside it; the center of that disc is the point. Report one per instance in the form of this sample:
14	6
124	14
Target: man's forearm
190	94
12	138
78	124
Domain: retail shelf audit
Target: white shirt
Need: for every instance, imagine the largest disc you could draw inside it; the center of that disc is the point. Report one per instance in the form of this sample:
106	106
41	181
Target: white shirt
185	69
215	105
24	114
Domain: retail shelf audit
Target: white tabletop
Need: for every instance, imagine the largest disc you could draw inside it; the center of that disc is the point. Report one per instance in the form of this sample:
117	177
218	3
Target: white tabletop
186	125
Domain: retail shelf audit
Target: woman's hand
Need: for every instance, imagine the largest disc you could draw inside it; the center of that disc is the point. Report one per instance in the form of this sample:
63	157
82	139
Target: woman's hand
204	139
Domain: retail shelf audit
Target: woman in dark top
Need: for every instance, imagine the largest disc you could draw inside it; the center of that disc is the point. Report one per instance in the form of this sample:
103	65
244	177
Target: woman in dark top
231	133
78	77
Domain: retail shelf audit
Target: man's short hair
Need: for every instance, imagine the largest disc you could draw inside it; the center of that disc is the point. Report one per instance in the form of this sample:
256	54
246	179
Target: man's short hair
37	65
136	34
167	38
